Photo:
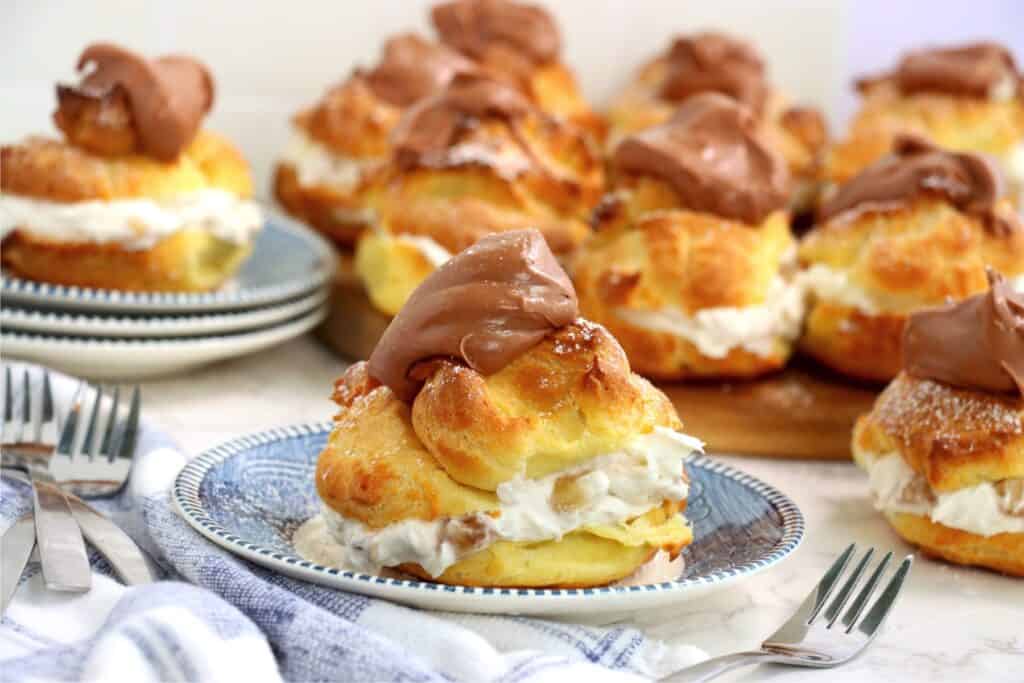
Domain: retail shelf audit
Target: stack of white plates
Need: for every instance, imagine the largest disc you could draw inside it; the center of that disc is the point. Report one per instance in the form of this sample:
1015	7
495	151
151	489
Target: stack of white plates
278	294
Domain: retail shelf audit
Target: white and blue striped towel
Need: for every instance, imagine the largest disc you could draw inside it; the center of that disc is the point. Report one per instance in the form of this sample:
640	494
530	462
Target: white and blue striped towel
215	617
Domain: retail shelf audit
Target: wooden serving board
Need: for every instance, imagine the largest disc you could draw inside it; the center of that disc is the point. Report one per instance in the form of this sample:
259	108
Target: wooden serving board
801	412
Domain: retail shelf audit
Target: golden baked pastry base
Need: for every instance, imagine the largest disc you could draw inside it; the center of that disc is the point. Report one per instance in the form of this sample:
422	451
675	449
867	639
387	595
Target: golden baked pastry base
801	412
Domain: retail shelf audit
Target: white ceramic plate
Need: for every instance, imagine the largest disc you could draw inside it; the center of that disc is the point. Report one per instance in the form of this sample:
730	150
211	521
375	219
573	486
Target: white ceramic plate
56	323
138	358
288	261
249	495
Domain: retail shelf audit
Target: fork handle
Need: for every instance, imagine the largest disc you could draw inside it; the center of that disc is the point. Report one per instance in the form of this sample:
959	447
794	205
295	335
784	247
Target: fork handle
713	668
120	550
60	542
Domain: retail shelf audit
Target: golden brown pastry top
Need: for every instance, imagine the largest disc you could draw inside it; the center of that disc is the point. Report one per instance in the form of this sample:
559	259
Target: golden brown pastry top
153	106
715	62
356	117
568	399
712	155
478	158
970	182
486	306
975	70
513	35
351	120
977	343
410	68
44	168
921	252
952	437
647	253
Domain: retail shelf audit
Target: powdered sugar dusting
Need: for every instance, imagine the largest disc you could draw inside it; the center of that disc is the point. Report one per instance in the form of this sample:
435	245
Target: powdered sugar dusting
928	417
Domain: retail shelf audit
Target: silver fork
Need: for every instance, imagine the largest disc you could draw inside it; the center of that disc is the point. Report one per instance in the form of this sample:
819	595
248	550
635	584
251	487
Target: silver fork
817	635
28	444
100	465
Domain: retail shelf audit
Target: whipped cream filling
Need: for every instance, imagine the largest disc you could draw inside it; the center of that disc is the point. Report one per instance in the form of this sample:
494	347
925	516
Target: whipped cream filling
834	286
316	164
985	509
716	331
431	250
606	490
132	223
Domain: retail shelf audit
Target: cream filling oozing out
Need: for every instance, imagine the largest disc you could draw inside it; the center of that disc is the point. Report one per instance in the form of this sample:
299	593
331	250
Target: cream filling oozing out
132	223
833	286
716	331
979	509
316	164
606	490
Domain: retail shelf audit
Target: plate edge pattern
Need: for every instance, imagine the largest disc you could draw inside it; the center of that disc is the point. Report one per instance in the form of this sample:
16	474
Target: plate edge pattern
185	494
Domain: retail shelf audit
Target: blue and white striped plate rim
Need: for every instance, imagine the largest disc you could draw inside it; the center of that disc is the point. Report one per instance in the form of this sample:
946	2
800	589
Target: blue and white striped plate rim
186	495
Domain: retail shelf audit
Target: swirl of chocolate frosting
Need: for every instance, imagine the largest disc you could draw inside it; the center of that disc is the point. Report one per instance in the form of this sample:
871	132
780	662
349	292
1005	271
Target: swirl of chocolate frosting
975	70
427	131
711	154
977	343
168	96
411	68
486	306
969	181
714	62
474	26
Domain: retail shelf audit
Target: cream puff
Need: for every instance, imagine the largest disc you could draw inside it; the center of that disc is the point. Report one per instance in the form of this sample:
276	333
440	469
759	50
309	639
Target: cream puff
136	196
911	231
944	444
520	44
338	144
714	62
475	158
690	266
964	98
495	438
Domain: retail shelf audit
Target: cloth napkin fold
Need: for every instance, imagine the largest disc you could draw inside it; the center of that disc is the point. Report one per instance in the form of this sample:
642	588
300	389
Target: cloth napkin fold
216	617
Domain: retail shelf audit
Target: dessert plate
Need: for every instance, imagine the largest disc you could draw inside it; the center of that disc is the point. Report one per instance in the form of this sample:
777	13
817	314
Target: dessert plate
288	260
35	321
251	494
139	358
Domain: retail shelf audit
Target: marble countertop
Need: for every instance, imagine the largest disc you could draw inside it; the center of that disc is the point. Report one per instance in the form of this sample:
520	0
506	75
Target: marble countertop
952	624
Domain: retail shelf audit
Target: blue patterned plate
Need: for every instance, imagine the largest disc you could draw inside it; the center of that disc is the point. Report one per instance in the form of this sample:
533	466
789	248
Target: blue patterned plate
250	495
287	261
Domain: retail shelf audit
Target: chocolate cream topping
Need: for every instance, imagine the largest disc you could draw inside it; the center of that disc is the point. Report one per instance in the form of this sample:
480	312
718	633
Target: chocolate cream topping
714	62
976	70
977	343
474	26
485	307
411	68
712	156
434	125
168	96
969	181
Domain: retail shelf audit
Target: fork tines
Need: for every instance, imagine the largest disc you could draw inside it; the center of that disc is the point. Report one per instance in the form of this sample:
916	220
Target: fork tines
34	426
872	621
107	434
